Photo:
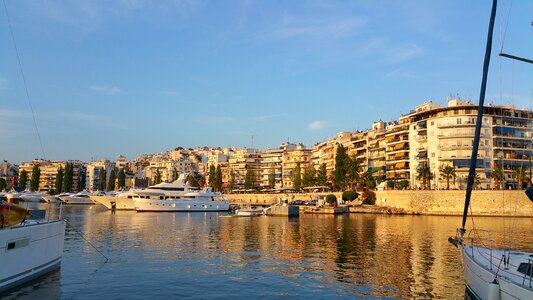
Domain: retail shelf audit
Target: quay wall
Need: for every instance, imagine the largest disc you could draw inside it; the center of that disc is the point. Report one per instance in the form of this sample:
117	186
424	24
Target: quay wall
431	202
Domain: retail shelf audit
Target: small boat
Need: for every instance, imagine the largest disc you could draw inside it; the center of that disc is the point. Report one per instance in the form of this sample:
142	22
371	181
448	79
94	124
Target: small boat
78	198
250	212
22	244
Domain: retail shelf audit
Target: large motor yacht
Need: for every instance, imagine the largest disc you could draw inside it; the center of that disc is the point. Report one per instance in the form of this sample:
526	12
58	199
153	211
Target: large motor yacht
124	201
205	200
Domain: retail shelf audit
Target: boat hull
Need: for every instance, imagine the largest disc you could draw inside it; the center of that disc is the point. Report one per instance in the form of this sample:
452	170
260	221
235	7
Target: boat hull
30	251
177	205
121	203
77	200
479	276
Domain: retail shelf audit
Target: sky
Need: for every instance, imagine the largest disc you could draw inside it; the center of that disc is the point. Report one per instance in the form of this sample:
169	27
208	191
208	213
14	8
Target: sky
133	77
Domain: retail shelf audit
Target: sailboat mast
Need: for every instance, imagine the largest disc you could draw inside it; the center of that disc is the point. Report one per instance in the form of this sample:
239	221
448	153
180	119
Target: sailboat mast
473	159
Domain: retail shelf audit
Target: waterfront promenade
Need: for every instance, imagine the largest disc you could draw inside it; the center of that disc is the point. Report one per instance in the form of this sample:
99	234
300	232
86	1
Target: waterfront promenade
426	202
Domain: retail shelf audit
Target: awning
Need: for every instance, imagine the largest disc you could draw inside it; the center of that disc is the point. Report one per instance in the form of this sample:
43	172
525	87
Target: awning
400	145
399	165
399	154
390	175
390	137
465	163
421	123
422	154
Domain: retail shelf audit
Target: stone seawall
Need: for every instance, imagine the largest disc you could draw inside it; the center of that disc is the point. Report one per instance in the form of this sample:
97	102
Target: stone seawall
483	203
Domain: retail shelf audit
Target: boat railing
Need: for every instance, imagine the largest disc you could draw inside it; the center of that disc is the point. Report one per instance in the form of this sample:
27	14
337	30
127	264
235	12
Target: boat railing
528	273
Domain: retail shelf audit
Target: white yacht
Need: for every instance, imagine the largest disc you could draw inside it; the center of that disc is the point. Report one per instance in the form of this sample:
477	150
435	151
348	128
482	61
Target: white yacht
29	248
78	198
204	200
32	197
124	201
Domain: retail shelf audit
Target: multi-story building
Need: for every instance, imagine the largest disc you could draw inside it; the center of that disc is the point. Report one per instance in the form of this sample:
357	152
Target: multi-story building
397	151
243	160
93	172
49	169
290	160
272	165
376	151
8	172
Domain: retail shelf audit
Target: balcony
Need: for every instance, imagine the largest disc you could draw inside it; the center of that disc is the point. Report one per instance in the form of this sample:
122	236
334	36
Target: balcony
463	123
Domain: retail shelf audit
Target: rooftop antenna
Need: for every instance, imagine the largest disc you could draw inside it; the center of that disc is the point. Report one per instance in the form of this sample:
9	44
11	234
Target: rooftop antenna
252	141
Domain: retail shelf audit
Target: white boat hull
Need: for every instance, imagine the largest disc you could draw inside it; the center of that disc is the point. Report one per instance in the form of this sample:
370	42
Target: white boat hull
28	252
173	205
76	200
121	203
479	276
31	197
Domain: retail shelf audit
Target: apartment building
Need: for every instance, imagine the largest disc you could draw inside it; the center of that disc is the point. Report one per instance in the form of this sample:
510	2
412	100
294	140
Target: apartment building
290	160
49	170
271	166
376	150
93	173
8	172
243	160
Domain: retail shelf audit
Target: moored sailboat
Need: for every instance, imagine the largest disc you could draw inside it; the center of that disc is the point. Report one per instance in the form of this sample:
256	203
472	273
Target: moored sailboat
490	273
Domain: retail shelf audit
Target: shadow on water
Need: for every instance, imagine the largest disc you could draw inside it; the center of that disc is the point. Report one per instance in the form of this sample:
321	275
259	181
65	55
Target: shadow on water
192	254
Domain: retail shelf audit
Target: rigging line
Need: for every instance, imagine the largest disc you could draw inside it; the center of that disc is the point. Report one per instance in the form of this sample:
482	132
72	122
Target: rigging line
506	26
87	241
24	80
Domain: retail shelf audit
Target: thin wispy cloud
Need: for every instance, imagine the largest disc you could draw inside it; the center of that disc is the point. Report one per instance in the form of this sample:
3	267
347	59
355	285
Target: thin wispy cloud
317	125
269	117
106	90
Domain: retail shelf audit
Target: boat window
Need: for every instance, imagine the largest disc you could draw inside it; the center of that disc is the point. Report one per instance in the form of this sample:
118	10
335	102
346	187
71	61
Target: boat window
526	269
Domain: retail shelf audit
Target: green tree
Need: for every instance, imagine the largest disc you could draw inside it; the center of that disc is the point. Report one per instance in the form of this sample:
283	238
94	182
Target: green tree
296	177
249	179
520	175
101	179
272	178
112	180
354	168
447	172
68	178
497	175
309	178
390	184
3	184
192	180
218	178
477	181
121	179
424	174
212	176
23	179
157	177
342	164
322	176
59	180
404	184
35	177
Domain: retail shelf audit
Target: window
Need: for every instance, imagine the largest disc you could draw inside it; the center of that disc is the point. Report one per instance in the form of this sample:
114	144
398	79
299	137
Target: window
433	154
459	121
526	269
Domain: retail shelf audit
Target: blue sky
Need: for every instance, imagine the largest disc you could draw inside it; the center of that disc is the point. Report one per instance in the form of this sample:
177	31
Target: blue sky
134	77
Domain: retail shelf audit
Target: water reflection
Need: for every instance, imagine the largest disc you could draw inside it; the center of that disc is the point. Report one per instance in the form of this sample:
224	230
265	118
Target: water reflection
212	255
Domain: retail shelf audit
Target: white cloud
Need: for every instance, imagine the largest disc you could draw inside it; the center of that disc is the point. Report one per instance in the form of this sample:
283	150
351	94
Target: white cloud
107	90
317	125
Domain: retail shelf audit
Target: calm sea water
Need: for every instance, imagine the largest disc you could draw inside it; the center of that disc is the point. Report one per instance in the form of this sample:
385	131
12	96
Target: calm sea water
211	255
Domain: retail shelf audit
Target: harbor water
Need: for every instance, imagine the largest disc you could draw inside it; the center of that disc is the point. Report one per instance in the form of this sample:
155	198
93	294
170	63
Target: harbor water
213	255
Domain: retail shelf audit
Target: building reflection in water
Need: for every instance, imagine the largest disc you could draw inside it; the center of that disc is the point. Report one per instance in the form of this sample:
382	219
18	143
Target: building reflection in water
351	255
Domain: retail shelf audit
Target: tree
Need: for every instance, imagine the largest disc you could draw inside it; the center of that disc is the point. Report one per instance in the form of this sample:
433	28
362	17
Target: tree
23	179
519	174
192	180
249	179
272	179
212	176
424	174
341	167
296	177
35	177
157	177
59	180
353	170
309	178
218	178
404	184
497	175
112	179
68	178
322	176
121	179
477	181
231	181
447	172
101	179
174	174
368	180
390	184
3	184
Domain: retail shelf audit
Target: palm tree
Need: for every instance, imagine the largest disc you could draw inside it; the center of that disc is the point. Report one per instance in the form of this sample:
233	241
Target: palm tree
520	175
497	175
447	172
424	174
